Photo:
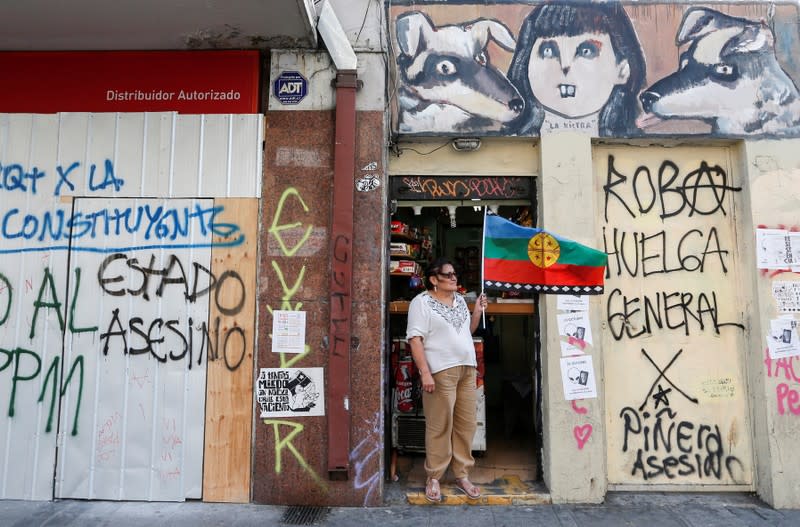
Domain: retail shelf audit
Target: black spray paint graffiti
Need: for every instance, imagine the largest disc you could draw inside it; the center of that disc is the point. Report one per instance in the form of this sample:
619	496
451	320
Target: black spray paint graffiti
706	459
647	254
162	339
661	395
340	308
120	275
641	315
669	448
692	245
177	341
703	191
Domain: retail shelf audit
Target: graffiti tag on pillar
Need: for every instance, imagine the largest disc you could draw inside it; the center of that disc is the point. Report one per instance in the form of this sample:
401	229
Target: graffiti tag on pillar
285	443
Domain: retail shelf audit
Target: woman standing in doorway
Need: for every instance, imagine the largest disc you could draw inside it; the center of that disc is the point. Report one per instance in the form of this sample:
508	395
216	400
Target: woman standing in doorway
439	333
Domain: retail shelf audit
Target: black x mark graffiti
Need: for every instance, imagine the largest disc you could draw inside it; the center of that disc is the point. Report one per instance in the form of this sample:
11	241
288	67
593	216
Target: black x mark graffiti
661	375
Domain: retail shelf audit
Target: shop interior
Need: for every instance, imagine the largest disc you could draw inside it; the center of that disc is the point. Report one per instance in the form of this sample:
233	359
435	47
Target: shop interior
507	443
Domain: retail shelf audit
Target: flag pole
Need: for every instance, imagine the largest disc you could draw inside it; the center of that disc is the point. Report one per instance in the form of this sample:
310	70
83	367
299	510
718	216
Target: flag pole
483	260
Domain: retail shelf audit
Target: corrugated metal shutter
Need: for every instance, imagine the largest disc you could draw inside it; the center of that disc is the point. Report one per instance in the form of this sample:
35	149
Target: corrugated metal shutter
131	426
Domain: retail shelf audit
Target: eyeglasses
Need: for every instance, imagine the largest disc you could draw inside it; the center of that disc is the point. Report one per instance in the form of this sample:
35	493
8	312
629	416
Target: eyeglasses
449	276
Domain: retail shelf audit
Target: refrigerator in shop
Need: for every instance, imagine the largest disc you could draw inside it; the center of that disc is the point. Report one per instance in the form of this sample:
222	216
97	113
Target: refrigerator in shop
408	415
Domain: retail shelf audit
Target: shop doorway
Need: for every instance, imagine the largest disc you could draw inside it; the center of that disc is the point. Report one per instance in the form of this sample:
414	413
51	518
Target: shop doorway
507	444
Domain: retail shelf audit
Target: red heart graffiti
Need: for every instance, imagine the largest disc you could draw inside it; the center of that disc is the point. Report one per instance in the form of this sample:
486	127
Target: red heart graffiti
578	409
582	434
576	342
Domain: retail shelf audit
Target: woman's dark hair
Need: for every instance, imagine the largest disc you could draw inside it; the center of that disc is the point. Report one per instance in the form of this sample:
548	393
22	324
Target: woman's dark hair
618	115
434	268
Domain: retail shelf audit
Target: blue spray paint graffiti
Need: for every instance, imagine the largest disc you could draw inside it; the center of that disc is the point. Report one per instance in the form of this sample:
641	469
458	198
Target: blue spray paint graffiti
15	177
153	223
157	223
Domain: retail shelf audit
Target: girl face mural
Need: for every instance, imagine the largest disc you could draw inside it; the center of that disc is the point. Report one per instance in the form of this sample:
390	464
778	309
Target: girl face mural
578	60
573	76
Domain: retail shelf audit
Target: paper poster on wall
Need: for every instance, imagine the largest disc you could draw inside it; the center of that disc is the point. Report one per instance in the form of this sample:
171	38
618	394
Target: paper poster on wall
787	296
577	375
575	332
572	303
290	392
778	249
288	331
783	340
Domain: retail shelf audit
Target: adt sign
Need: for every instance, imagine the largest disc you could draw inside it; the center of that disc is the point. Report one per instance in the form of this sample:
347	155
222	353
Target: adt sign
290	87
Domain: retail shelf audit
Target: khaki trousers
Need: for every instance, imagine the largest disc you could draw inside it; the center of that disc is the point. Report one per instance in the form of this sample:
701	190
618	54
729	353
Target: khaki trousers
450	422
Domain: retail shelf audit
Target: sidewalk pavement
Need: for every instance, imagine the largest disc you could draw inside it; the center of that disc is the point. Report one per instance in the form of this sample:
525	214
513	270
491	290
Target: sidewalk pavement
619	509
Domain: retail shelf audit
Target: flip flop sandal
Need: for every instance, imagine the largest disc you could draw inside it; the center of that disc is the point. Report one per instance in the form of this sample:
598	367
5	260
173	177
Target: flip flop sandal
468	488
433	493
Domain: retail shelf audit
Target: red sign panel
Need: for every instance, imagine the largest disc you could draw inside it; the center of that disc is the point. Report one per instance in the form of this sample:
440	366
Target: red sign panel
129	81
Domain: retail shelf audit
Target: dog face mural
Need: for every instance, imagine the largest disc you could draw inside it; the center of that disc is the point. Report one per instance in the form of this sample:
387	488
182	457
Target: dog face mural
448	83
579	62
729	77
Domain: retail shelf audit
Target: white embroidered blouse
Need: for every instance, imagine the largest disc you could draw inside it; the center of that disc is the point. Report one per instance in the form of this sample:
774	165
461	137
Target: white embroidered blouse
445	333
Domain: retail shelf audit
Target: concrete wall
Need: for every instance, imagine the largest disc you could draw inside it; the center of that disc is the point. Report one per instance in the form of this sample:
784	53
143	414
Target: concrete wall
672	322
574	439
772	169
288	461
363	21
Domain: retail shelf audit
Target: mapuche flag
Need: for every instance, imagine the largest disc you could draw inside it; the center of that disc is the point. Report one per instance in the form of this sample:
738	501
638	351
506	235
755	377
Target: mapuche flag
517	258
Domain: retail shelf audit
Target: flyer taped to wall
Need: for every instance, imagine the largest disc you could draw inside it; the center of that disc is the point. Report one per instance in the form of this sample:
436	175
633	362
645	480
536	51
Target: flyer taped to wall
290	392
288	331
575	332
577	375
783	340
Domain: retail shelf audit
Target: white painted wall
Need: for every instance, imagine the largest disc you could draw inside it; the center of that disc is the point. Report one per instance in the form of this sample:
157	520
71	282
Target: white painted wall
363	21
318	70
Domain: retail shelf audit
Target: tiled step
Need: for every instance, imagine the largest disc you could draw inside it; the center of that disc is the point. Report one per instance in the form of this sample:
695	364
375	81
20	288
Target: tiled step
506	490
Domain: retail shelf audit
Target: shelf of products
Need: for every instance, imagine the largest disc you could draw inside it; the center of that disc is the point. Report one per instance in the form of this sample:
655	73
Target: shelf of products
402	237
400	307
409	250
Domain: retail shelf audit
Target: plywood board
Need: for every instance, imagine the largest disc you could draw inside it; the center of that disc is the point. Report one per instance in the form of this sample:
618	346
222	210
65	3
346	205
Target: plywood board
229	417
